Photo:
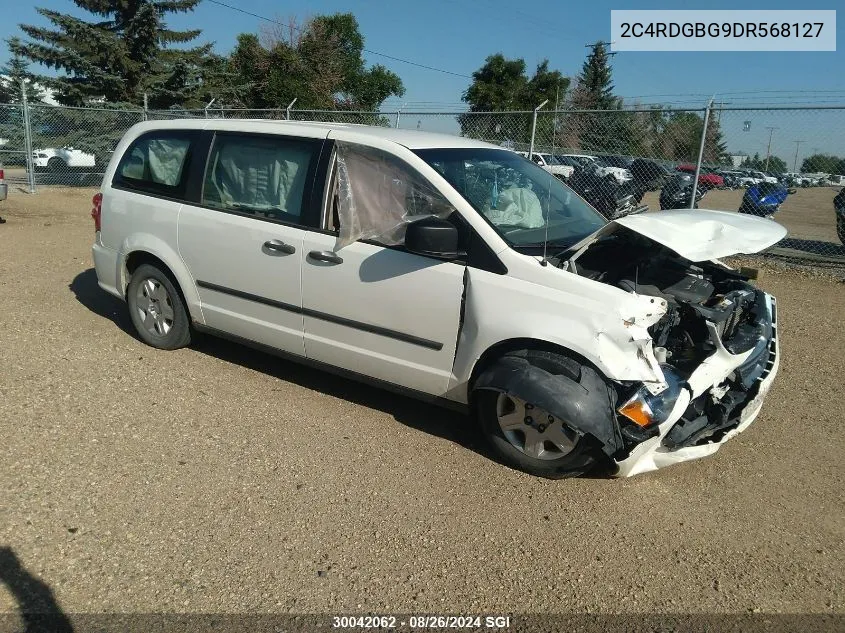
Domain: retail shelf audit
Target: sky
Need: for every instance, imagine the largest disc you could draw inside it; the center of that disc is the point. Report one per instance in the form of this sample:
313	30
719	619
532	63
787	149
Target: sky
457	35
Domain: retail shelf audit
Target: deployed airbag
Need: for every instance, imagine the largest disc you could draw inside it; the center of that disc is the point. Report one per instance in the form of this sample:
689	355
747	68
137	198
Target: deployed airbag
379	195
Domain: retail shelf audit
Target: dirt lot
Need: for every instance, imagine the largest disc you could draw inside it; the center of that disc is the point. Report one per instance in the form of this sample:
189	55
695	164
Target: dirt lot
218	479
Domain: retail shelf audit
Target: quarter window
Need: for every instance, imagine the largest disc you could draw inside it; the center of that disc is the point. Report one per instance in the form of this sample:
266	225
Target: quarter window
156	163
259	175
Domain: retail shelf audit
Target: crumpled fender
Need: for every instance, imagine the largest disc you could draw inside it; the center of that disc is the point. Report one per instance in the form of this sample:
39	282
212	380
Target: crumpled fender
587	406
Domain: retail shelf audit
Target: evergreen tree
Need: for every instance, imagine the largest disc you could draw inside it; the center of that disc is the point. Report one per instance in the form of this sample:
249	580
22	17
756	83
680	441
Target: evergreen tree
127	51
13	73
595	81
594	132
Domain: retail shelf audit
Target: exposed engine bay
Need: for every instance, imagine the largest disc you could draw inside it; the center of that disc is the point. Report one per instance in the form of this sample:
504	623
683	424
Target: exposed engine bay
711	309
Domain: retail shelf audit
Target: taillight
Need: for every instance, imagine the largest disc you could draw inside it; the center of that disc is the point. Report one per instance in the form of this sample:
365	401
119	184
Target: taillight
96	212
2	175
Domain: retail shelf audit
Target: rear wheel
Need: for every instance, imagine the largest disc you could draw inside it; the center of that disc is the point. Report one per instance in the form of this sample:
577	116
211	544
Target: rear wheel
840	229
157	309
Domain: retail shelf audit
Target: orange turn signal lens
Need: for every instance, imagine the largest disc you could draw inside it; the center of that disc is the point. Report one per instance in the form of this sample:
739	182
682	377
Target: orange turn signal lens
637	412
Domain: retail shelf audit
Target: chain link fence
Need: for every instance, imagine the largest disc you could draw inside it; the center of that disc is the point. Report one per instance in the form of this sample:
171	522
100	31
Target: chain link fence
737	153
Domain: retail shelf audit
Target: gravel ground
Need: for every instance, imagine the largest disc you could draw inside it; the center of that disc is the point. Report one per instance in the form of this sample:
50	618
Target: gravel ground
218	479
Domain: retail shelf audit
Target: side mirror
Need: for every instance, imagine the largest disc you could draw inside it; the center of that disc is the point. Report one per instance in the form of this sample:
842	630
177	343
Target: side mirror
432	237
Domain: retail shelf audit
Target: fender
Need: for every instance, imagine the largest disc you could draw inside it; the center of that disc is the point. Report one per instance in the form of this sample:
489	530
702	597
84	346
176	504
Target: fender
144	242
587	406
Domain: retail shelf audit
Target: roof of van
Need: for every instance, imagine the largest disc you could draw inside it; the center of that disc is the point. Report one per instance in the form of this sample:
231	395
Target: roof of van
412	139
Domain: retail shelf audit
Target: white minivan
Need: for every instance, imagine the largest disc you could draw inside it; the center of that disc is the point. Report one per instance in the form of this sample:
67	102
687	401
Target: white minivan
449	269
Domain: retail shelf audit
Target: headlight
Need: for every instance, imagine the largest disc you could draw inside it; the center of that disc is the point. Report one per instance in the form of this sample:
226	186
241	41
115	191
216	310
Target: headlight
680	195
645	408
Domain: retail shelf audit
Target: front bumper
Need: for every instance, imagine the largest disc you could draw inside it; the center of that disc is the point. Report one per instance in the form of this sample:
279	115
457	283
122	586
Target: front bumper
654	453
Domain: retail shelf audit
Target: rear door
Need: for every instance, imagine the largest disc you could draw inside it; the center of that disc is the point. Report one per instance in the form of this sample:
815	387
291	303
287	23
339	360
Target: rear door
371	306
243	242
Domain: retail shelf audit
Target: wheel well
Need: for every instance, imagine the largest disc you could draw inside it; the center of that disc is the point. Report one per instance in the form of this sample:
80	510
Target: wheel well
495	352
138	258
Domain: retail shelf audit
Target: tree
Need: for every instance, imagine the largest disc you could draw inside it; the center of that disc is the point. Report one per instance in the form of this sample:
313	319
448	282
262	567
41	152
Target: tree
593	131
319	64
680	138
823	163
125	53
776	164
15	73
595	86
502	85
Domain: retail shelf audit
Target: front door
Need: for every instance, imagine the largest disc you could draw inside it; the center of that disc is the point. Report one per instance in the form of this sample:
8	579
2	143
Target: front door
370	306
243	243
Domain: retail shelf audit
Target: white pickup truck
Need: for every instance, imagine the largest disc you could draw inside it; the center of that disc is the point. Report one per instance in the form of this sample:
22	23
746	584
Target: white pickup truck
552	164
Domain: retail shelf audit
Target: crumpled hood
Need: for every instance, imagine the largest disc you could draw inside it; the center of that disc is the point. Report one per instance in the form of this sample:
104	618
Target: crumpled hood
699	234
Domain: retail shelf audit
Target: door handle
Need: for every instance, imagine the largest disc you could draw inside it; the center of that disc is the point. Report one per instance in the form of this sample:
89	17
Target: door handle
278	246
326	256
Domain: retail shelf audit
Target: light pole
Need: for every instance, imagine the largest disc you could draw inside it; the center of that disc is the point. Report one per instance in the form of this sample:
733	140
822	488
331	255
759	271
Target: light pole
795	162
769	146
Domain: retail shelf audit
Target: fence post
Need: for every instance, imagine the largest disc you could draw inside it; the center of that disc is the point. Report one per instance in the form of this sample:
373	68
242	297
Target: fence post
287	110
146	106
700	153
398	112
27	135
534	130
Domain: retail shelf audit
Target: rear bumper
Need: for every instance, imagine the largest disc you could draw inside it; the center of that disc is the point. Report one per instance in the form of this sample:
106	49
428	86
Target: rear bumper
106	265
654	452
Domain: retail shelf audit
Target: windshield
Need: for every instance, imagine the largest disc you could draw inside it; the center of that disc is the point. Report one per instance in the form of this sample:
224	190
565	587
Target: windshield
613	161
567	160
516	196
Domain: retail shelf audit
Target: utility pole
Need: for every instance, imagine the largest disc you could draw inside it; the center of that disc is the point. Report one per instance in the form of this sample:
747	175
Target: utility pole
795	162
554	121
769	146
595	45
722	104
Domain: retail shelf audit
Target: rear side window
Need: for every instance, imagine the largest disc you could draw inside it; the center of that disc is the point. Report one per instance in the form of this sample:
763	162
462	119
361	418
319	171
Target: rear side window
263	176
157	163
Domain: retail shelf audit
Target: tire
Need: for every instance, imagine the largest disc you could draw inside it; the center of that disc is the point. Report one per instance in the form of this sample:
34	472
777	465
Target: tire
582	456
840	229
157	309
56	164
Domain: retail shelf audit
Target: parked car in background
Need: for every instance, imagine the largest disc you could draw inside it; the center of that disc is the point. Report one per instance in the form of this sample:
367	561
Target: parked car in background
732	179
551	164
448	269
764	177
706	178
62	159
616	166
601	168
764	199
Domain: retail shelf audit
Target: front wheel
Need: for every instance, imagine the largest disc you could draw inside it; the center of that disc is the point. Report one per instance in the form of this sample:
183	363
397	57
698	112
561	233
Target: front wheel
157	309
532	440
840	229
